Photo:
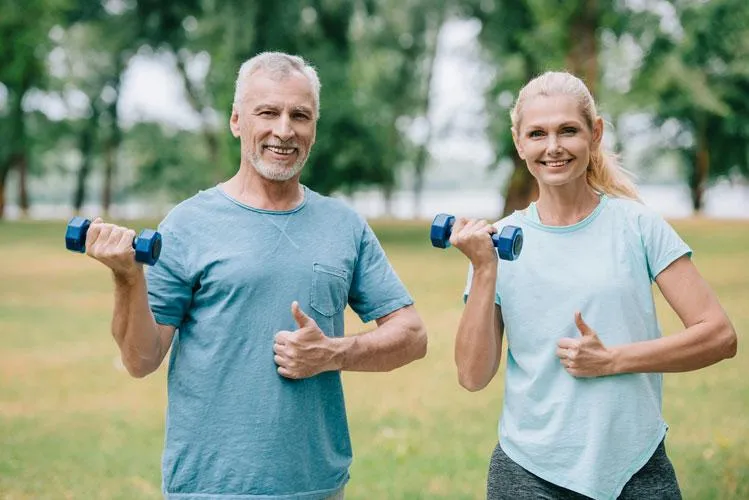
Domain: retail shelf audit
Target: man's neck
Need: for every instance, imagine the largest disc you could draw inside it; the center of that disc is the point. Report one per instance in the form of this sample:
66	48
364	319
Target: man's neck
256	191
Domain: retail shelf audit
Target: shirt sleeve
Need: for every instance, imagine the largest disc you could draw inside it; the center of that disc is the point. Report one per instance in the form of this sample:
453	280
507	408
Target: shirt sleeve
661	242
376	290
469	281
169	290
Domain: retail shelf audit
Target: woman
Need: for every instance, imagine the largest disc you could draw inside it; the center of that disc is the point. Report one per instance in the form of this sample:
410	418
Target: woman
582	407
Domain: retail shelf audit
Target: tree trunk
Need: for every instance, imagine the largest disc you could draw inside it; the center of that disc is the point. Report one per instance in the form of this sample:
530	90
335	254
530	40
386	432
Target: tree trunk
423	153
701	170
582	59
523	188
3	177
111	153
88	137
22	166
17	141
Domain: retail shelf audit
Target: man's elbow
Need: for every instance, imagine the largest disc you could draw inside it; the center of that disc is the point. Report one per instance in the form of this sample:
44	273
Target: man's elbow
139	368
420	342
729	340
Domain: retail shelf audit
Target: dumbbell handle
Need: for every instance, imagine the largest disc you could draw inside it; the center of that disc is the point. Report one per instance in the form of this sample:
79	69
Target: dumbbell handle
508	242
147	244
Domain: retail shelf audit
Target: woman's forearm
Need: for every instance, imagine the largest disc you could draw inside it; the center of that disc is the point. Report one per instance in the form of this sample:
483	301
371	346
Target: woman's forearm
698	346
478	341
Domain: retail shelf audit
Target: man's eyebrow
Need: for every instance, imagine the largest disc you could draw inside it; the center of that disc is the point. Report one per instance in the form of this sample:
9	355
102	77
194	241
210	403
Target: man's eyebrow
303	109
264	105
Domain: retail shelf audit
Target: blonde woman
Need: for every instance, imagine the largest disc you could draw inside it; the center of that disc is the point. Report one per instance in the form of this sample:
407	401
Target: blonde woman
582	408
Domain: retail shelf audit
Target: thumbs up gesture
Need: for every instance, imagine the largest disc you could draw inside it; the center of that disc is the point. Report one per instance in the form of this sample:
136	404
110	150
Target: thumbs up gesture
585	356
306	351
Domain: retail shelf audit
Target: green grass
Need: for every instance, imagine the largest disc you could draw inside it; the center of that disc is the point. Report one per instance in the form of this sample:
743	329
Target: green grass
74	425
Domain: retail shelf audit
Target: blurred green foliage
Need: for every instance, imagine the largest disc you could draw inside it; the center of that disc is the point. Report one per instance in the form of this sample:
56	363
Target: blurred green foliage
680	63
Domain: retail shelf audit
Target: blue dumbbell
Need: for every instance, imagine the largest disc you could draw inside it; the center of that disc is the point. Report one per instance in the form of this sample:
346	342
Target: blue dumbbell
147	244
509	241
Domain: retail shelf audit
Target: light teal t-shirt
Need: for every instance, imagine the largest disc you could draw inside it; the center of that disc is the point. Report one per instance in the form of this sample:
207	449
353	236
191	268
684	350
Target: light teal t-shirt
226	278
589	435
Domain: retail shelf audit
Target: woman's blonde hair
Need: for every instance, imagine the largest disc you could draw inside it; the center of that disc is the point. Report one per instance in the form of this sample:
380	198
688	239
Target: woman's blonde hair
604	173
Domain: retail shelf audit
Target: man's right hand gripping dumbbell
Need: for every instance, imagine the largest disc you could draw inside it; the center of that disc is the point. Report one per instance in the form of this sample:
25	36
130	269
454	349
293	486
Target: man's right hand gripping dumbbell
115	246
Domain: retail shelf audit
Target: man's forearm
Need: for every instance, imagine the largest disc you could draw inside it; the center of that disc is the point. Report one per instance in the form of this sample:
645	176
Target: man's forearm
399	339
134	328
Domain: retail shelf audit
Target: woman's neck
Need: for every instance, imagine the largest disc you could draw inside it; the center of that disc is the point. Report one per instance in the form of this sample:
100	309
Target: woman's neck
565	205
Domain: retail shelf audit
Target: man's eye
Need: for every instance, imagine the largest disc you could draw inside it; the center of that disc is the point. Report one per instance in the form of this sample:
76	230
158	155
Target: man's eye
569	130
535	133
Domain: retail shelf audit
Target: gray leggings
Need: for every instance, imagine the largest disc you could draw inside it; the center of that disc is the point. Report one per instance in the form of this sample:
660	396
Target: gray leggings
509	481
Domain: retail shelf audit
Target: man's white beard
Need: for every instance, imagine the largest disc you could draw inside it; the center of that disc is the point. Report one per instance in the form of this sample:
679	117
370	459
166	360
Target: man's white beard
276	172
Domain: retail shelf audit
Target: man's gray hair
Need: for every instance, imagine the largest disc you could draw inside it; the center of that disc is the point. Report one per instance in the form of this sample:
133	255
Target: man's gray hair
280	65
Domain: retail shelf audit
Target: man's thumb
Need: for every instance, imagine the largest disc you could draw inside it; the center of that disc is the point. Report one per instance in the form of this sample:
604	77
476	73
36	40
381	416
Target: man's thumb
301	319
585	330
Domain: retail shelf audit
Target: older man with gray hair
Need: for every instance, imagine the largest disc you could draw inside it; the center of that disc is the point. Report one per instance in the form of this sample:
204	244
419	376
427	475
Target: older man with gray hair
249	294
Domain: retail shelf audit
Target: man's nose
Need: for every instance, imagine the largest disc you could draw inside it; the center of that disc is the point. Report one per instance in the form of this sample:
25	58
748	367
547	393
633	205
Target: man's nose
283	129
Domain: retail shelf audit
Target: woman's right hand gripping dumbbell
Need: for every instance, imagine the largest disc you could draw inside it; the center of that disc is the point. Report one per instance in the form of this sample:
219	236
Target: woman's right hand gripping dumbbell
473	237
112	245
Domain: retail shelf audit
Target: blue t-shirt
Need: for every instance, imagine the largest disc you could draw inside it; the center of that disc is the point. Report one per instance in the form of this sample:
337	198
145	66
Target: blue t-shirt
226	278
589	435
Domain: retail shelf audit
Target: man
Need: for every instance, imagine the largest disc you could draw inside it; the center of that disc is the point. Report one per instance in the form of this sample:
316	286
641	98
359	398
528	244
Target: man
254	277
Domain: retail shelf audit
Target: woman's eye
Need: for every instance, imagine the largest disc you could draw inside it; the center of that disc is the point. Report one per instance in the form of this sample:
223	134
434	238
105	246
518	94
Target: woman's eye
535	133
569	130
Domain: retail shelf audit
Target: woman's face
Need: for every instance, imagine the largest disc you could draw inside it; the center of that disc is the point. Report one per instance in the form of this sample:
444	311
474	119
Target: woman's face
555	141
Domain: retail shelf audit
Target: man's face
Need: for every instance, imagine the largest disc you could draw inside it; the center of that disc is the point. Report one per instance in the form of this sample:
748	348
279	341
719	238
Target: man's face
275	121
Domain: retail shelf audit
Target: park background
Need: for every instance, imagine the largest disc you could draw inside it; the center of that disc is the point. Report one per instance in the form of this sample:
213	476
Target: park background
119	108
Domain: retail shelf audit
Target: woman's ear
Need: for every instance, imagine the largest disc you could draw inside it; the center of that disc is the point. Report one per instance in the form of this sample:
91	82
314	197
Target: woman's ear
597	130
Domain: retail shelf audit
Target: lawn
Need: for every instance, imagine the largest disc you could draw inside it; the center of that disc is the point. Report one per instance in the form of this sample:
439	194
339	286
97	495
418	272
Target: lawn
74	425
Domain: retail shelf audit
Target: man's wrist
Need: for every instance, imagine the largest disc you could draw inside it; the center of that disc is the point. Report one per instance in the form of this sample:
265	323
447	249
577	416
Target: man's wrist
342	347
129	279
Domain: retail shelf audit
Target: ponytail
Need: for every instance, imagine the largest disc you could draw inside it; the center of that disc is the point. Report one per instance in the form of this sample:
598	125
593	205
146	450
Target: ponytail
605	175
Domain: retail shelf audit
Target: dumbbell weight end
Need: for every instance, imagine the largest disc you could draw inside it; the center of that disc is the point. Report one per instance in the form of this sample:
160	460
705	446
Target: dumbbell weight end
147	244
509	241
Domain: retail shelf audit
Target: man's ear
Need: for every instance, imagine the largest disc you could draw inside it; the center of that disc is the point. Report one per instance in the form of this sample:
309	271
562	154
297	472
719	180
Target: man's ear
234	122
518	147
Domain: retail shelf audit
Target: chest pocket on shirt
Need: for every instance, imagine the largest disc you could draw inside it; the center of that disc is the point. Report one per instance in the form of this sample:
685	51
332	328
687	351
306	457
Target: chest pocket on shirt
329	289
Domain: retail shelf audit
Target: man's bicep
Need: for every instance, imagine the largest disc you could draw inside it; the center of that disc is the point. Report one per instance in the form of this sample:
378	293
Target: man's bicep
406	313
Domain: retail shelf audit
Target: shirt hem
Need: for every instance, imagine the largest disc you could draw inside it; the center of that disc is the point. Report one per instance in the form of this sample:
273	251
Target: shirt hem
310	495
564	482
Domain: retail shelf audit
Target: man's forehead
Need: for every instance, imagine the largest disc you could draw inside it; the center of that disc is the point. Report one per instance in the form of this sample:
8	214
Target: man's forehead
290	88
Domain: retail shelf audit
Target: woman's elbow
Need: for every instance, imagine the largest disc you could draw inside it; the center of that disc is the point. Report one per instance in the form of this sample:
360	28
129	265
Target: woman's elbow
471	382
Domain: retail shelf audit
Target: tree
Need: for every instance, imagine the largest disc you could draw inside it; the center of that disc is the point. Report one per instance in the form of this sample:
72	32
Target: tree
698	76
23	34
524	38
